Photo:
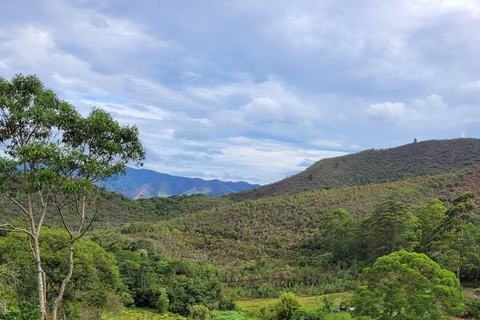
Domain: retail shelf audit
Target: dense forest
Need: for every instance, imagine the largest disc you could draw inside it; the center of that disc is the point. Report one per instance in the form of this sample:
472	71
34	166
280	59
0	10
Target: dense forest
182	253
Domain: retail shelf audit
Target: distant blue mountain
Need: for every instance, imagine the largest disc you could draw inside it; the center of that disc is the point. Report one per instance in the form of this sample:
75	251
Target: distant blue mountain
143	183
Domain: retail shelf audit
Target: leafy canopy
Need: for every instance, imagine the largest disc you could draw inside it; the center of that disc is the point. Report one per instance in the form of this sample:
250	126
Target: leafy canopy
406	285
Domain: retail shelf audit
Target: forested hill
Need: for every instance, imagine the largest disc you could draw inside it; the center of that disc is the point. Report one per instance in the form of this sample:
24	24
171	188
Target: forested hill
417	159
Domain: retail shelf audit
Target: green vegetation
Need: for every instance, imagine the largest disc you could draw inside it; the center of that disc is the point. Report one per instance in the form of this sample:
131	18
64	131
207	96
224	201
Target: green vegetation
407	285
391	250
52	154
426	158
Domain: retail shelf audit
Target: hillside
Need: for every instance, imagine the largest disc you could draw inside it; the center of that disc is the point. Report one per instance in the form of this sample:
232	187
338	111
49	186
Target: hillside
296	243
143	183
419	159
117	210
263	243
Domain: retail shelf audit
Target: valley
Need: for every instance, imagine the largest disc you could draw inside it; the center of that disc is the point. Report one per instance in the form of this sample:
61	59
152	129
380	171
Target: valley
218	253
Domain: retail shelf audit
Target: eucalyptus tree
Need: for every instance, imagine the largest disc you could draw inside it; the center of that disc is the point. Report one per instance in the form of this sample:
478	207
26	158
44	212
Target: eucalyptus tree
455	244
50	159
389	228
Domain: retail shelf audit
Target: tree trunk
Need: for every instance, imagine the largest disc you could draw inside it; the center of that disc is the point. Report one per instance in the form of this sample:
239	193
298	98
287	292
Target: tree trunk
56	303
40	278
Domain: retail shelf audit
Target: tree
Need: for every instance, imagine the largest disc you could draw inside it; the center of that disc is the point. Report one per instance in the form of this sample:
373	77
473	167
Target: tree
50	159
391	227
430	217
456	246
406	285
339	237
94	281
286	306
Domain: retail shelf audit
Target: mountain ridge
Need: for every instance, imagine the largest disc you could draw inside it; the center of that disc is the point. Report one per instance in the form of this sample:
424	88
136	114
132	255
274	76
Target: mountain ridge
145	183
418	159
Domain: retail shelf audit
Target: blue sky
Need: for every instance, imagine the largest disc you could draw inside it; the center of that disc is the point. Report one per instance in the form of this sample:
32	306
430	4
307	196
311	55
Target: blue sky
256	90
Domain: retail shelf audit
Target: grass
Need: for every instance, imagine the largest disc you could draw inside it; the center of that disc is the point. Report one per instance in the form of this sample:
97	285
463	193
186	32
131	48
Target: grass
307	302
232	315
339	316
141	314
250	305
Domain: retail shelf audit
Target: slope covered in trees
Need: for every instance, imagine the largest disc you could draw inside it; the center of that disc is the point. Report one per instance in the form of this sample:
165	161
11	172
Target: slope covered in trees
305	243
185	254
419	159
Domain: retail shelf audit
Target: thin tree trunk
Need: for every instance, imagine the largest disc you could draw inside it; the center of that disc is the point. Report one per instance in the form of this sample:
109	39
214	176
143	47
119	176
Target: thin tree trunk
40	279
56	303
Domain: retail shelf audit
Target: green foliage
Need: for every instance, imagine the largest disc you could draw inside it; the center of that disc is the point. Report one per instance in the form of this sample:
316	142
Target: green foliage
286	306
430	218
95	276
473	308
407	285
425	158
24	310
199	312
232	315
162	303
456	242
391	227
50	158
306	314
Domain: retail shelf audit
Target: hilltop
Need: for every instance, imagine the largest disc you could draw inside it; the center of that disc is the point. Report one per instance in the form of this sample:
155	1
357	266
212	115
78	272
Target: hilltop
426	158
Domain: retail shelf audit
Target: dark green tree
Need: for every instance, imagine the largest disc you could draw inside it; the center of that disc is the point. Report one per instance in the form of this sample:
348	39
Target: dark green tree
338	238
430	219
407	285
50	159
456	246
391	227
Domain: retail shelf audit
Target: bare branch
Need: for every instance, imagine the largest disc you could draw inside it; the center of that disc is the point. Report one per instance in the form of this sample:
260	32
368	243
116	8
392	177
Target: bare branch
6	226
17	203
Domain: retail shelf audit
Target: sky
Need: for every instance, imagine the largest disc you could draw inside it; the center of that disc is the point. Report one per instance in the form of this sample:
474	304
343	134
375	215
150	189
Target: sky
256	90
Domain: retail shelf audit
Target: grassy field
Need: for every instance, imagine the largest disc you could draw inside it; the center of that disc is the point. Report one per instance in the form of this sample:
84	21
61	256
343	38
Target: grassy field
307	302
141	314
251	305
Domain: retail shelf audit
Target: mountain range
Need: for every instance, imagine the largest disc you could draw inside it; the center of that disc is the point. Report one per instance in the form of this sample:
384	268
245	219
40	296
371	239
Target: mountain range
144	183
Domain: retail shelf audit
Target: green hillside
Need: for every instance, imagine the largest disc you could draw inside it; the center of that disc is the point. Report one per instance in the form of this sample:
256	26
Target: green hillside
174	254
424	158
262	246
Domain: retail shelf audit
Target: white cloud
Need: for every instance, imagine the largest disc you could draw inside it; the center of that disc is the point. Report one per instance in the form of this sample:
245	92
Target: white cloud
471	88
387	112
430	105
263	109
253	88
30	41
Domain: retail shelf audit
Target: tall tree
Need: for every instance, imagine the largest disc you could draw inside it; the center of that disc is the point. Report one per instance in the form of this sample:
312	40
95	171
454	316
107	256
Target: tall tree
391	227
339	236
406	285
50	159
430	218
455	244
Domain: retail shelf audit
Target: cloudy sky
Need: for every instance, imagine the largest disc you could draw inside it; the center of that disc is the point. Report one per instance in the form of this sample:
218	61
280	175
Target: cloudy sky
256	90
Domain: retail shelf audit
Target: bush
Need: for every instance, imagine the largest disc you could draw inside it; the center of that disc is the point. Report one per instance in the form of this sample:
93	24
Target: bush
199	312
21	311
286	307
305	314
473	308
162	303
